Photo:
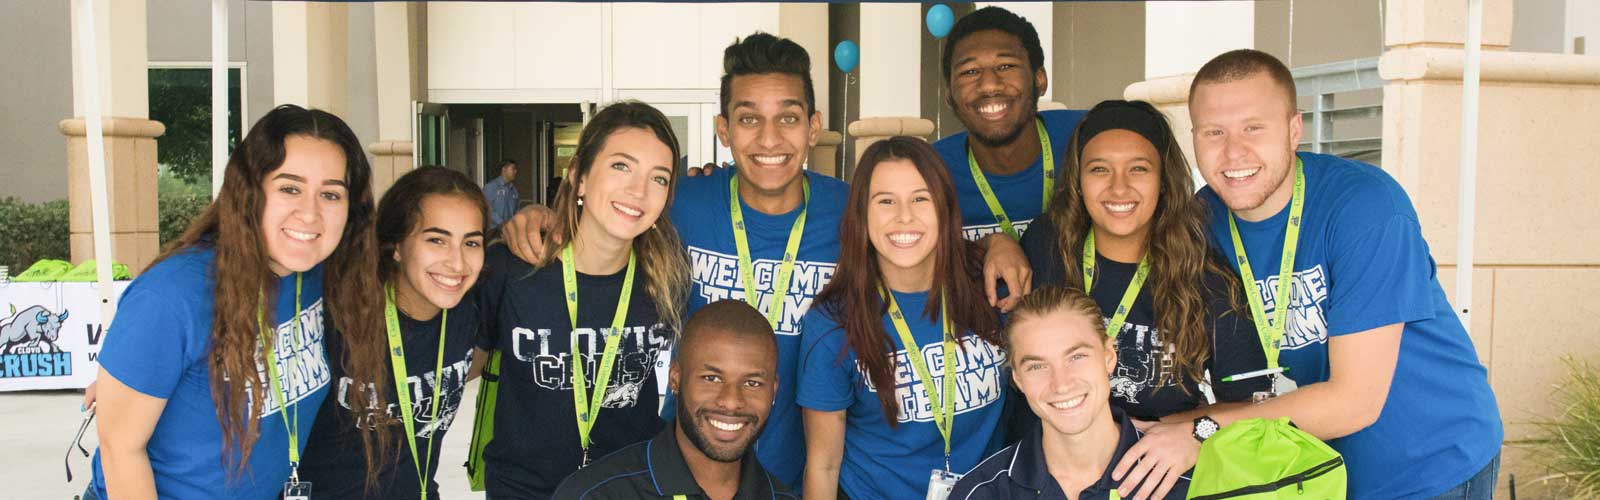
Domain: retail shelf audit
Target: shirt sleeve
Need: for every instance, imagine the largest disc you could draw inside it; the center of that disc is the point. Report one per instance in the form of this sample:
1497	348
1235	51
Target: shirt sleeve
1042	247
490	290
827	373
1235	345
1383	275
153	339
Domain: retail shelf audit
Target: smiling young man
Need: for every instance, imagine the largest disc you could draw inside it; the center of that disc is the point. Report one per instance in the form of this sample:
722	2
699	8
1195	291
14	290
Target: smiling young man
1062	359
1003	165
1385	372
725	377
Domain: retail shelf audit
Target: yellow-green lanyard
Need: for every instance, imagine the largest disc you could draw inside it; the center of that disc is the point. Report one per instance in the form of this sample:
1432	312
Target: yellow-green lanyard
1272	333
988	193
1128	296
587	406
780	288
397	357
942	402
278	395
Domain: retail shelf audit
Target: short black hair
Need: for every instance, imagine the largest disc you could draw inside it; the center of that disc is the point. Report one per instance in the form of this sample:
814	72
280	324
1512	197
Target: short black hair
728	315
507	161
762	53
995	18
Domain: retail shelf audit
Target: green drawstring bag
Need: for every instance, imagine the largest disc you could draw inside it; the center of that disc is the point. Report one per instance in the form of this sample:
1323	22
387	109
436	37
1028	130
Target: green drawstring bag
85	272
44	270
1260	459
483	421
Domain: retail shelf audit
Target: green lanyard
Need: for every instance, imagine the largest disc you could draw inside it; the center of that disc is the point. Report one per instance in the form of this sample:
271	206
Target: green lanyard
944	404
1272	333
780	288
397	357
278	395
587	406
988	193
1128	296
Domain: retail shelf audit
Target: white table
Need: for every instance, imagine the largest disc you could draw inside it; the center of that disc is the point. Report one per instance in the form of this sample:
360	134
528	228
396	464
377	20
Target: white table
50	334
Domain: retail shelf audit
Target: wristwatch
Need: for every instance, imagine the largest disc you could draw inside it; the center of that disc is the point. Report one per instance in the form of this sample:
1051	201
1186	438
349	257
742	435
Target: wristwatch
1204	427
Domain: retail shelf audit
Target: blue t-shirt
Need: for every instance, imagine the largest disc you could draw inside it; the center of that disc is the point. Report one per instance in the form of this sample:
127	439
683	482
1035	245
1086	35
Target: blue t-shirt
882	462
1362	264
159	344
700	212
1021	194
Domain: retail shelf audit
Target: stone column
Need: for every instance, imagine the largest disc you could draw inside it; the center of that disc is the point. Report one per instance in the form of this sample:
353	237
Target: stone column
870	130
309	54
824	157
130	146
398	29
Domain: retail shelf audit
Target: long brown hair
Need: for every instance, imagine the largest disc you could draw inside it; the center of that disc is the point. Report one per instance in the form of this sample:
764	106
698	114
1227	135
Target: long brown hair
232	226
660	254
851	297
1177	246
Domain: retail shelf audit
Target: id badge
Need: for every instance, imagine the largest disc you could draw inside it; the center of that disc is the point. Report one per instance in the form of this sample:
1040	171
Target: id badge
940	482
297	490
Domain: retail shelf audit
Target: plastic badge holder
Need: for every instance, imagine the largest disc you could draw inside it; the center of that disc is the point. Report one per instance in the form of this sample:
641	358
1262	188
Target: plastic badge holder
940	482
297	490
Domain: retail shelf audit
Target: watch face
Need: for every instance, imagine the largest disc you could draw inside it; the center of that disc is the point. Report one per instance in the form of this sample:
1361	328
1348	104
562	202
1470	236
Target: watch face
1205	427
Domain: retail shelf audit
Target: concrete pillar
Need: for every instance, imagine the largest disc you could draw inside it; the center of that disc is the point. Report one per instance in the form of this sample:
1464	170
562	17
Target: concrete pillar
1099	49
824	157
130	146
870	130
807	25
310	54
397	30
890	67
1537	166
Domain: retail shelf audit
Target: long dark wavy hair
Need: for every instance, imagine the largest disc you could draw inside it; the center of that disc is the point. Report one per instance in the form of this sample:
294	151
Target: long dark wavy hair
661	256
1177	246
852	297
231	225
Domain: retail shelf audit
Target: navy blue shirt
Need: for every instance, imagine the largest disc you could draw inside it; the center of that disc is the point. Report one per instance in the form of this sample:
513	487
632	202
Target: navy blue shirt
655	469
535	442
1021	472
1021	194
1362	264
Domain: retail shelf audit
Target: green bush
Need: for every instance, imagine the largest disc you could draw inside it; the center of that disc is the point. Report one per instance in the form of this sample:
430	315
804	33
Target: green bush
1570	443
32	231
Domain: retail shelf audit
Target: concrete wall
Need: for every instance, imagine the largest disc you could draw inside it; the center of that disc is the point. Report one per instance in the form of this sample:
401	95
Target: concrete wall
1181	36
1539	26
361	68
1322	32
34	98
1100	49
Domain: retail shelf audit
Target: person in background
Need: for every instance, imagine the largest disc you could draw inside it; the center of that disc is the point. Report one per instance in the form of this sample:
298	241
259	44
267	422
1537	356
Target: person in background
216	355
1062	359
501	193
725	377
431	227
901	373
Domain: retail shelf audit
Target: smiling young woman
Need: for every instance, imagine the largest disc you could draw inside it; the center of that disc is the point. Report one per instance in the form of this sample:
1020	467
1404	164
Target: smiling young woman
906	299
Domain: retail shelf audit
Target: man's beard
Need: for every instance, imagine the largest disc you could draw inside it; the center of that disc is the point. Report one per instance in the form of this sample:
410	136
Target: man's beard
1007	137
691	429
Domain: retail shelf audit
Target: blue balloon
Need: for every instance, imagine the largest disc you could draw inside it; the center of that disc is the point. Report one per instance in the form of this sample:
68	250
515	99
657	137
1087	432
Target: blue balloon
846	55
940	19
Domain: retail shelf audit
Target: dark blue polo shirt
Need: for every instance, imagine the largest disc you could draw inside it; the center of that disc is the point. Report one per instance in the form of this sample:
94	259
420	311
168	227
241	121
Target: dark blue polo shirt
1020	472
655	470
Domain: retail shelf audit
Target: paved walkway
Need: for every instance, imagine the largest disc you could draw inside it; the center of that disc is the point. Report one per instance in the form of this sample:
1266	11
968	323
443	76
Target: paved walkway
35	428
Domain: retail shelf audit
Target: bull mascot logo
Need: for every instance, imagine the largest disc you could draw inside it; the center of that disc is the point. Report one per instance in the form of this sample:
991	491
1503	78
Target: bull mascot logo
32	331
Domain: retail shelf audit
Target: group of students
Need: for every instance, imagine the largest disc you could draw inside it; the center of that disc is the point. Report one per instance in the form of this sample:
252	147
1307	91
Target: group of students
888	338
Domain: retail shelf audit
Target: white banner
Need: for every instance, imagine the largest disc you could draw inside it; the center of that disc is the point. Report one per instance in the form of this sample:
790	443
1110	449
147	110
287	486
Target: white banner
50	334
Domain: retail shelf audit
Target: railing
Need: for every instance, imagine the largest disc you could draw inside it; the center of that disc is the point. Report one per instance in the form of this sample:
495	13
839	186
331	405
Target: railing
1320	83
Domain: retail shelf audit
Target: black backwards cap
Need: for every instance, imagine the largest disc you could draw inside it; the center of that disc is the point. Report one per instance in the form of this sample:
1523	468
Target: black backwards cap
1138	117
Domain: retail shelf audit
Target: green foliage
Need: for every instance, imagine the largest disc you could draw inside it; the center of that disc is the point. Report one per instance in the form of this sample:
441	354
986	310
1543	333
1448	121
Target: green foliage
179	202
1570	443
181	100
32	231
35	231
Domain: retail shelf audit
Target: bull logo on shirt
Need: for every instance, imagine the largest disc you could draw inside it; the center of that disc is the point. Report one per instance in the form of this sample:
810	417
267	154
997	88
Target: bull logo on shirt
550	356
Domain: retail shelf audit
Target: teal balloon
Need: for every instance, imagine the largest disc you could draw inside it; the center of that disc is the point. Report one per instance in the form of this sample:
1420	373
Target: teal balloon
940	19
846	55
